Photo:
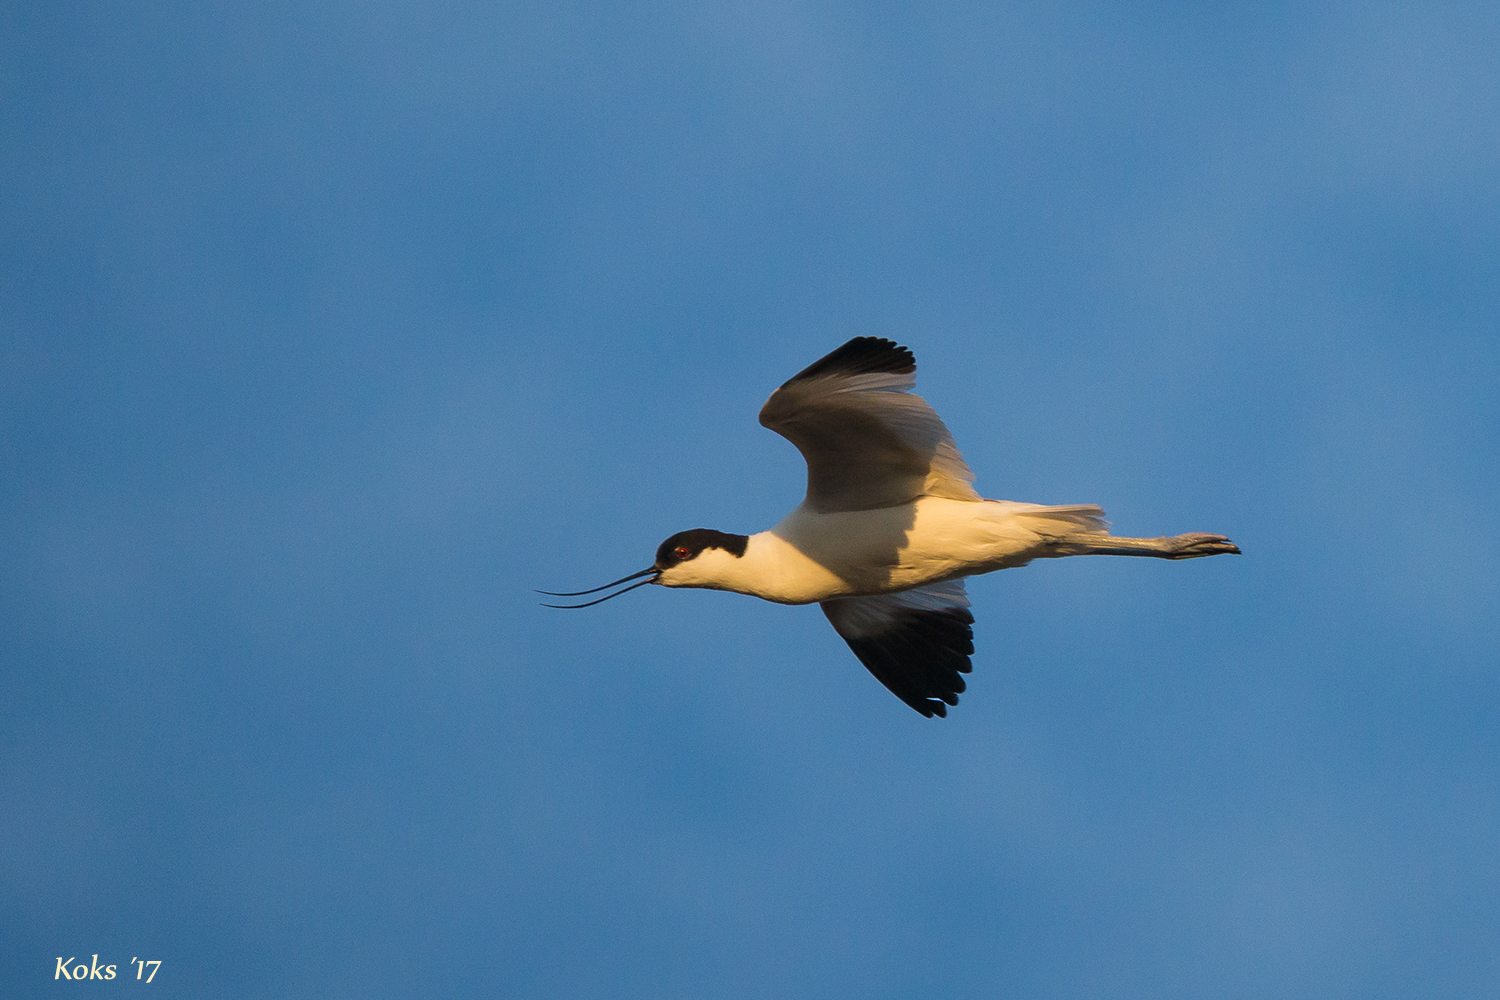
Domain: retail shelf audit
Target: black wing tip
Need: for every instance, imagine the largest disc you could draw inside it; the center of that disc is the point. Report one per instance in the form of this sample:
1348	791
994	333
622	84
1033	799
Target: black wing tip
921	658
861	356
933	707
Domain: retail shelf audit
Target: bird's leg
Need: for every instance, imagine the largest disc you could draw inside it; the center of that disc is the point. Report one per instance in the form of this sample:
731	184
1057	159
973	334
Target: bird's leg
1190	546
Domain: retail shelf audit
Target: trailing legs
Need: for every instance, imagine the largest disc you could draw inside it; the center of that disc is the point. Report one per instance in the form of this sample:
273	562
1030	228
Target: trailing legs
1194	545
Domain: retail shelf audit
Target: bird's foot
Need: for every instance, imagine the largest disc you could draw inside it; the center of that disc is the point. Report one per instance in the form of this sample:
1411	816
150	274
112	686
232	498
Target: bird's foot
1197	544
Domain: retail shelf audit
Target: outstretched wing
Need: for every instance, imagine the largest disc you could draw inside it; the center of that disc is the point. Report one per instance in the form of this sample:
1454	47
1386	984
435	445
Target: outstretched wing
868	441
917	642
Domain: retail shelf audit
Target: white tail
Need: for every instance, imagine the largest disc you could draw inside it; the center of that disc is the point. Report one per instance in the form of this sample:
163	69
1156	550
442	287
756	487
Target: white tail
1071	519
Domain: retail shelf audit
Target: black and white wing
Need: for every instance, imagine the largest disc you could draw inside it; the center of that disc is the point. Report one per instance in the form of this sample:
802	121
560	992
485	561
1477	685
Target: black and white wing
917	642
868	441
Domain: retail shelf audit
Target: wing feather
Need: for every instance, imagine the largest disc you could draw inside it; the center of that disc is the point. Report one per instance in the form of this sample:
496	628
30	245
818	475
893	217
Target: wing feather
868	441
917	643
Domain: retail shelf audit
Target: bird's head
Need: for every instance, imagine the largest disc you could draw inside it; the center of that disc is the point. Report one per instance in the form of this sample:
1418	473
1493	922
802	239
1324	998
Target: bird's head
701	557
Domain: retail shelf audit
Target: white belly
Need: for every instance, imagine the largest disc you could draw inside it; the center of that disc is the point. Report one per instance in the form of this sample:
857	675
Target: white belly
811	556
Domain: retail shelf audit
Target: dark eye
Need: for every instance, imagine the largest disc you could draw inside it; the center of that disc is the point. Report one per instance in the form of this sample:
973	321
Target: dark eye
682	552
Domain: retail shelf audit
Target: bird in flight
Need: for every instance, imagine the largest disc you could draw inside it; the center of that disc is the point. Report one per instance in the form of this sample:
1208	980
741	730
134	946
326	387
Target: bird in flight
889	528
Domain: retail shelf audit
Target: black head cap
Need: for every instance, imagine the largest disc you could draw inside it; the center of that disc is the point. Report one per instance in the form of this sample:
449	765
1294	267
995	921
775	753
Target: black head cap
687	545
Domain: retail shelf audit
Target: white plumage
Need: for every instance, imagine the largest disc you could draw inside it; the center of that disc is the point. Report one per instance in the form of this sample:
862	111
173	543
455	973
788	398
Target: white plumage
889	527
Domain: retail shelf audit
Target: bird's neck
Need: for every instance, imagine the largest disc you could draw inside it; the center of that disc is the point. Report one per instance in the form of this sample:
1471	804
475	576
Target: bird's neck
774	569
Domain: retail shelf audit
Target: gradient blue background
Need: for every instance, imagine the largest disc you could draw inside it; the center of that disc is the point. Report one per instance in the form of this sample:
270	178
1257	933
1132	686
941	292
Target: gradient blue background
328	330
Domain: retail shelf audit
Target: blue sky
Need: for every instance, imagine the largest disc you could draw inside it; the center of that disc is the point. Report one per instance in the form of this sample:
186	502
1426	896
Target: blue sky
329	330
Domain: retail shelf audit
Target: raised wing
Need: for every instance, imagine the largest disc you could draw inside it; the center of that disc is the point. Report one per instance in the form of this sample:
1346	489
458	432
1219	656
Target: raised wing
868	441
917	642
